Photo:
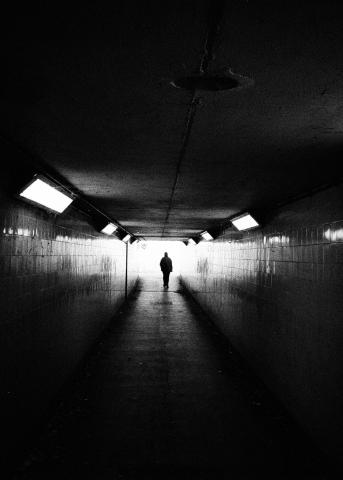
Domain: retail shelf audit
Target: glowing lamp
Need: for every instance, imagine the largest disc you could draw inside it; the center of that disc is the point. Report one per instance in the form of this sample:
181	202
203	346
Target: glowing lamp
109	229
44	194
126	238
244	222
206	236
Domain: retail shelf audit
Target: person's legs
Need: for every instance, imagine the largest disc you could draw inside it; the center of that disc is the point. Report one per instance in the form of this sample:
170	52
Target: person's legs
165	279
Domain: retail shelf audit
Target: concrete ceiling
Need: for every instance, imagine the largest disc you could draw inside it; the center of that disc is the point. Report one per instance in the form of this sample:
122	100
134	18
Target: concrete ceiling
88	92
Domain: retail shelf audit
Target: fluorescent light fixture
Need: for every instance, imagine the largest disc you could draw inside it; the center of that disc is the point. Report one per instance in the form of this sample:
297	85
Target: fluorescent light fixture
44	194
206	236
109	229
191	242
244	222
126	238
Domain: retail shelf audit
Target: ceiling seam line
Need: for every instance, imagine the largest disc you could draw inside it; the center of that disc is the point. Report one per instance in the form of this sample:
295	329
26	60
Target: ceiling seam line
214	17
189	122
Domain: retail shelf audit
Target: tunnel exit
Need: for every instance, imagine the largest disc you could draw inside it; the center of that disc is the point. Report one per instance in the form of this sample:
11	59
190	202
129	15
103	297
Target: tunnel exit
150	252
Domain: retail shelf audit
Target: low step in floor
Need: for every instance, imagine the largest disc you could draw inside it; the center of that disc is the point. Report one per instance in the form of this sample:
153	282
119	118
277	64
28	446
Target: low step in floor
164	396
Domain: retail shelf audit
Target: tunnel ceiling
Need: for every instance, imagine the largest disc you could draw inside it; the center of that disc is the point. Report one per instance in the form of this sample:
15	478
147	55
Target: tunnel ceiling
88	92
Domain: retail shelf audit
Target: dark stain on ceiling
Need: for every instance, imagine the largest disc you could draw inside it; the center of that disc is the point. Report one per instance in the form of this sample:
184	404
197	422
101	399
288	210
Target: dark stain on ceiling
89	91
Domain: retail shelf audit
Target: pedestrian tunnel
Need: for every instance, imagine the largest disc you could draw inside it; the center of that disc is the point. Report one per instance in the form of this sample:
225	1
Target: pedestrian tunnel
235	366
213	126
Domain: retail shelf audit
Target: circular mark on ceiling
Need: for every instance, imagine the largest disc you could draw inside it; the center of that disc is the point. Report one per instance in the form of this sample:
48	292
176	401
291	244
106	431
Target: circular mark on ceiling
213	82
209	83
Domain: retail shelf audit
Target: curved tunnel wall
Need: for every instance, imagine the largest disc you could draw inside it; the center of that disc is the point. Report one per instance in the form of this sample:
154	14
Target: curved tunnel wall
61	283
276	293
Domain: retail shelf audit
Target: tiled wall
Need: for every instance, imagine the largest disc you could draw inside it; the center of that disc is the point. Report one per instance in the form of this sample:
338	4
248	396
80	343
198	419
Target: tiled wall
61	282
277	294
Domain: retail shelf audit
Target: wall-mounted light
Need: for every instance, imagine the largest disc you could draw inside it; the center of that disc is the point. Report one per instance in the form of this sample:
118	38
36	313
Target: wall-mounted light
109	229
244	222
45	194
126	238
206	236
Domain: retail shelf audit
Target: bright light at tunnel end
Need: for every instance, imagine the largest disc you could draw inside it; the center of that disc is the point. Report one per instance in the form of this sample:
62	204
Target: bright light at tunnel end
109	229
44	194
244	222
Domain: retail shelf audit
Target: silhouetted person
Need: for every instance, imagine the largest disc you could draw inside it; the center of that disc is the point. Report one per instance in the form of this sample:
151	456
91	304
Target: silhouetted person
166	267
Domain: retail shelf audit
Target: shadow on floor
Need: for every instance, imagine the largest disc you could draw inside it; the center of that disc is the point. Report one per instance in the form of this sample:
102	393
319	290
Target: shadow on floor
164	396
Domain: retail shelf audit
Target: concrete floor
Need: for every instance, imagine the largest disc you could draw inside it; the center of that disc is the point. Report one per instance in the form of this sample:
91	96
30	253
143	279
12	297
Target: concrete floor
163	396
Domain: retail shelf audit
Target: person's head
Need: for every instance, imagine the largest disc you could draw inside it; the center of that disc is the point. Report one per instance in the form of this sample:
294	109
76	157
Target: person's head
166	254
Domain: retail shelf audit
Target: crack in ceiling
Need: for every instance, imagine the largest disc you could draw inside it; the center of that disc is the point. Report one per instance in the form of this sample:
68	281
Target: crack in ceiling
215	14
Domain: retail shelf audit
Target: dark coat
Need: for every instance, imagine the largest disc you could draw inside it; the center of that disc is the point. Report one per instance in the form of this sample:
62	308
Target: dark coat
166	264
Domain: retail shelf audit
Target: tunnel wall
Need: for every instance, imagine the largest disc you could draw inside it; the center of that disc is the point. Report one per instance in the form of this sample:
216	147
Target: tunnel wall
276	293
61	283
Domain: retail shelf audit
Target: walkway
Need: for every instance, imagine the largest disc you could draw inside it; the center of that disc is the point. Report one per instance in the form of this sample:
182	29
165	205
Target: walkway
164	397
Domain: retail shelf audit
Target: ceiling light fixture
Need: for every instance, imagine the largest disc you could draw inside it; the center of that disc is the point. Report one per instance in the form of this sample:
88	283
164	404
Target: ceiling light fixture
244	222
191	241
126	238
206	236
109	229
43	193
